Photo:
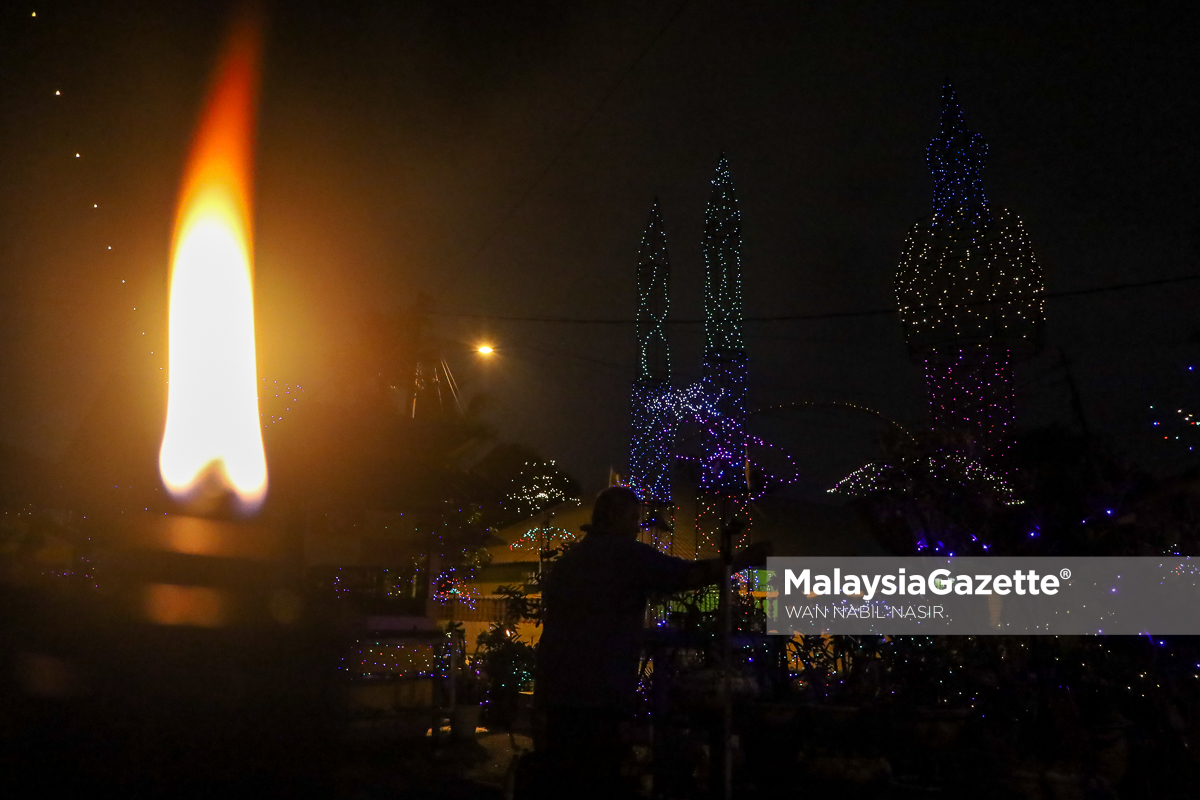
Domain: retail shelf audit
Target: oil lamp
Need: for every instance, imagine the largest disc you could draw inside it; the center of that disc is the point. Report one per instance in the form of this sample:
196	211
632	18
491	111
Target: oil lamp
212	461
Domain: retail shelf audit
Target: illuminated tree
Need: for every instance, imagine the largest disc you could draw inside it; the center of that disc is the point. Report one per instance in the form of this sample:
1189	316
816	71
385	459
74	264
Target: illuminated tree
538	485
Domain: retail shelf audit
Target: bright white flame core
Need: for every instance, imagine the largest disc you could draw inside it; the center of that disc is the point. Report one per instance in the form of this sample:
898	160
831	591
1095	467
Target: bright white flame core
213	438
212	406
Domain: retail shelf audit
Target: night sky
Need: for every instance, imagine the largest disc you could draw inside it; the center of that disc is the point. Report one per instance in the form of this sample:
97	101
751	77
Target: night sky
502	158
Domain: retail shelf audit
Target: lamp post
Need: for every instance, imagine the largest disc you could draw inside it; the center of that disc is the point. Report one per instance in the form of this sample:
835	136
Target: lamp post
730	527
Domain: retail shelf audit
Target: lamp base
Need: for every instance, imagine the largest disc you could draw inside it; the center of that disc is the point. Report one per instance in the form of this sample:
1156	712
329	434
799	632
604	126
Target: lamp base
193	662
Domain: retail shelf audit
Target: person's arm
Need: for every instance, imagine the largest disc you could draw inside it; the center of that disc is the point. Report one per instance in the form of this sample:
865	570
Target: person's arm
707	572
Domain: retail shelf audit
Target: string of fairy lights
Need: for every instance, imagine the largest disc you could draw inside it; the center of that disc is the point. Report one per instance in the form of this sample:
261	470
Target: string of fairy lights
698	405
949	466
654	301
1175	425
725	364
944	473
1180	420
536	486
455	585
541	538
971	388
650	452
382	658
956	157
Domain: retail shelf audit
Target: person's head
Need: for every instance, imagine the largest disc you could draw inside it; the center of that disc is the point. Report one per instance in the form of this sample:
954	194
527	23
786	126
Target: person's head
617	512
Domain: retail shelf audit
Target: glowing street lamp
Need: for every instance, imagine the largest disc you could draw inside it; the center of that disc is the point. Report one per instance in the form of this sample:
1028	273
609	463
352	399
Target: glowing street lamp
485	350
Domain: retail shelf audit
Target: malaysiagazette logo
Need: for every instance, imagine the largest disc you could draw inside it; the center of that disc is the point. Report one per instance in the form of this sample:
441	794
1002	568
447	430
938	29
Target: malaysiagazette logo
940	581
982	595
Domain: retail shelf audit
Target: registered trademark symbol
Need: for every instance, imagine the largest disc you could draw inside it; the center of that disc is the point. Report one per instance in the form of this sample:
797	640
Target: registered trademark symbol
1065	574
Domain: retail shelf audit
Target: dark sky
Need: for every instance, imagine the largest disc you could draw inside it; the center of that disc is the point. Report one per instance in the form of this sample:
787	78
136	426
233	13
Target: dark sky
441	147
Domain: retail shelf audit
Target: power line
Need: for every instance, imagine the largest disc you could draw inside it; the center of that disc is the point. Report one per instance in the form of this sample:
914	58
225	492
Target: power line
627	369
799	404
876	312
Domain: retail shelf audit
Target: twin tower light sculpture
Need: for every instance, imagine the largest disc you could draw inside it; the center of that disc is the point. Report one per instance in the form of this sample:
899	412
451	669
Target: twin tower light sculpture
718	401
970	297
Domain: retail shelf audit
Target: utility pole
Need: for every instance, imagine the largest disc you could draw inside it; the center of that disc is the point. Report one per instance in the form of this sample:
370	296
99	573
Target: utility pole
729	530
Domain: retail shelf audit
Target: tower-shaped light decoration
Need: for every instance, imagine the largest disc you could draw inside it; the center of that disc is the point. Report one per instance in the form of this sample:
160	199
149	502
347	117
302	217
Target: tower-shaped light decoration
651	451
725	365
212	447
970	294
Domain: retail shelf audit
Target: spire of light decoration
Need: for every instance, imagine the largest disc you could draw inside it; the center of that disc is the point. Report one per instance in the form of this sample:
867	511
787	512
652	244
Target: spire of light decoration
969	291
651	446
725	364
212	443
956	157
653	281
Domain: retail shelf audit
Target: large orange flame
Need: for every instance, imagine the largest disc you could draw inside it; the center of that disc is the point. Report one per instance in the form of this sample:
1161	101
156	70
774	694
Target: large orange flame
213	438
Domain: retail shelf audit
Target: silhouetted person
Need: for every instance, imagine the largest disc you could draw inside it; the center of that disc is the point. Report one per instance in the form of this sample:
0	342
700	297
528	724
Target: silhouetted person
587	660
